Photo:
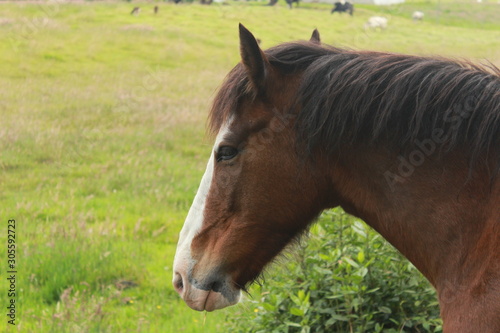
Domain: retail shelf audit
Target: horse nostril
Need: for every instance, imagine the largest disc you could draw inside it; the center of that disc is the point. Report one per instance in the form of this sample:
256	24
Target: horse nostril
178	283
217	286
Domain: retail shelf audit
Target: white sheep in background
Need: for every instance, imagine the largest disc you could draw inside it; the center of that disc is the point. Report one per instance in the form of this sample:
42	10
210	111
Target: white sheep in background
417	16
375	22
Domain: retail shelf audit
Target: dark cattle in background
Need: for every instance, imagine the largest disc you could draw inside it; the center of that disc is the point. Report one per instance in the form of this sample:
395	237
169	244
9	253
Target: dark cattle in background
343	8
290	2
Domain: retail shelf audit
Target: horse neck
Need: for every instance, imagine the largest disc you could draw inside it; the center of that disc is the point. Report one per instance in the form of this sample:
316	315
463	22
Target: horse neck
446	222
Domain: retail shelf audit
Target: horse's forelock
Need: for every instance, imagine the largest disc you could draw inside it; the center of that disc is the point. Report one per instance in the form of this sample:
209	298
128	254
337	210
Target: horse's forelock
288	58
235	87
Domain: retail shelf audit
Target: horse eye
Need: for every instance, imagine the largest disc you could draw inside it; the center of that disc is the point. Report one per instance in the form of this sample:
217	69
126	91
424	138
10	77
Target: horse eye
225	153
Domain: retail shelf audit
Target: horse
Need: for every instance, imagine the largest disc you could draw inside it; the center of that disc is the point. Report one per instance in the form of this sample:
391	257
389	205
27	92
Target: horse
342	8
409	144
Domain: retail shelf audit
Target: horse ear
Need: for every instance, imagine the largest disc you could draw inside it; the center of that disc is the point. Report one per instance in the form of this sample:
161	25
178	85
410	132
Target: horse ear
315	37
253	58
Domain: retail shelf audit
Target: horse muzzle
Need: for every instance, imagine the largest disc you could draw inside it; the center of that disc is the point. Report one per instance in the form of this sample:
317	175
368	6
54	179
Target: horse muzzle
209	293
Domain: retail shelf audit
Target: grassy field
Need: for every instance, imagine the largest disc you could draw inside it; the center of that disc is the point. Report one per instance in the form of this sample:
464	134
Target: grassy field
102	146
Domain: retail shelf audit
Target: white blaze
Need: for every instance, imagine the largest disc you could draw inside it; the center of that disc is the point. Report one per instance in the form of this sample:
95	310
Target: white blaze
201	298
194	219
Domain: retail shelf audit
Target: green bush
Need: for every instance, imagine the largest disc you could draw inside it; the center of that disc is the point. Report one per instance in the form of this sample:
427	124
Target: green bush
344	278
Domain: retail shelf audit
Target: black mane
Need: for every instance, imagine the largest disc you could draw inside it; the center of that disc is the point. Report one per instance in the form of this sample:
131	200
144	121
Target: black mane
359	97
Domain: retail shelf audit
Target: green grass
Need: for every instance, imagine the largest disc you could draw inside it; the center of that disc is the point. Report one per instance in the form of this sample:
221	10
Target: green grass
102	139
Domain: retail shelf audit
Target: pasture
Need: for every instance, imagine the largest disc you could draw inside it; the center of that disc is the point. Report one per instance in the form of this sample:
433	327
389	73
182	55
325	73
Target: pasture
102	139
